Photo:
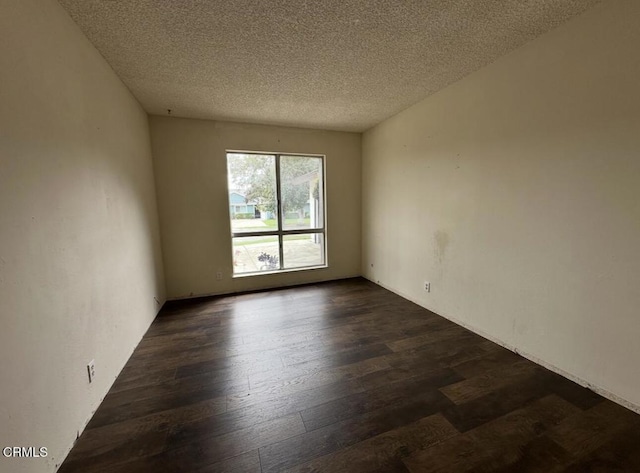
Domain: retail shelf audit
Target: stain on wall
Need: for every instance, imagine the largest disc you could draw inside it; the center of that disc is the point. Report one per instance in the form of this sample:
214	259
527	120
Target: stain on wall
442	241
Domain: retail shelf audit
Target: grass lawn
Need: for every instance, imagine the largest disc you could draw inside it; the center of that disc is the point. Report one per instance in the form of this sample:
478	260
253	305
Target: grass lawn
288	222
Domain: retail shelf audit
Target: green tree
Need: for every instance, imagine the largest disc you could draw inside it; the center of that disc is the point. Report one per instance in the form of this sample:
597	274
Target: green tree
255	175
299	179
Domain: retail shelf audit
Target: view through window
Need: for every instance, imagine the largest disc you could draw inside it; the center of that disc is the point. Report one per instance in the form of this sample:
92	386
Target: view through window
276	206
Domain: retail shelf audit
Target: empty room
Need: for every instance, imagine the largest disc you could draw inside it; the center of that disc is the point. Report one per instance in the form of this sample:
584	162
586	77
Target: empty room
319	236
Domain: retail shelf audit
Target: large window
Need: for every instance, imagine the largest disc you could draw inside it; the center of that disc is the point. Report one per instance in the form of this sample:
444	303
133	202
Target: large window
276	207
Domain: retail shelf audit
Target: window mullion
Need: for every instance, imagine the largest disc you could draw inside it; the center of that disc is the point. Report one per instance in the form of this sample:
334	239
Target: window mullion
303	231
280	213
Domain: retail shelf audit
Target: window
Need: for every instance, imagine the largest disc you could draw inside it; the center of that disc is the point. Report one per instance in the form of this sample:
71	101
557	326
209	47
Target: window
276	207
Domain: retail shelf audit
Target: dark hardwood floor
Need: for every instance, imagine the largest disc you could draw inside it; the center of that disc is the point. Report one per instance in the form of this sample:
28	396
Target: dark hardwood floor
342	376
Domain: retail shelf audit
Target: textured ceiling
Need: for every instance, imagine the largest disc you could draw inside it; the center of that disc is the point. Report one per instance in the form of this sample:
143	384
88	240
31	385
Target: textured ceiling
332	64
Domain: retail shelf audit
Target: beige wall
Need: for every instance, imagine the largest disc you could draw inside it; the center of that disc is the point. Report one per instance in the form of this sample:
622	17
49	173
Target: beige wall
516	193
191	179
80	260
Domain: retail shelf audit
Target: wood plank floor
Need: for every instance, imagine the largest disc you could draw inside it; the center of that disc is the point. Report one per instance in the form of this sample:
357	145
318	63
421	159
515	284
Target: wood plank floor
342	376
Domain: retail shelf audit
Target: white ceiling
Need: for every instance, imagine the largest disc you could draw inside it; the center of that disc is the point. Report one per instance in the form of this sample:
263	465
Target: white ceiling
336	65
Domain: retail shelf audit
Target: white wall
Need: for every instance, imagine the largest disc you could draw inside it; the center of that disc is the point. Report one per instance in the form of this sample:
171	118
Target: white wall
191	179
80	260
516	193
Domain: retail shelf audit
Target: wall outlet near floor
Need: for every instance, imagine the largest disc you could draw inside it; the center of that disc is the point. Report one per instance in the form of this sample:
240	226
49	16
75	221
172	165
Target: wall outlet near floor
91	370
427	286
219	275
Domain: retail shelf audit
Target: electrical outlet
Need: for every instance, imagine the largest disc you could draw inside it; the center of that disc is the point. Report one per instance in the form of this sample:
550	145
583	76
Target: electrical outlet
219	275
427	286
91	370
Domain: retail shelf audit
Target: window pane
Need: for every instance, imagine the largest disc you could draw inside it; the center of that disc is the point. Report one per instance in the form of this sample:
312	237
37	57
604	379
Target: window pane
253	254
301	192
303	250
252	192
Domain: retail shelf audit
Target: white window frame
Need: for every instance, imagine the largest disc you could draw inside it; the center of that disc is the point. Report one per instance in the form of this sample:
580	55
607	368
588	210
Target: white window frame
281	232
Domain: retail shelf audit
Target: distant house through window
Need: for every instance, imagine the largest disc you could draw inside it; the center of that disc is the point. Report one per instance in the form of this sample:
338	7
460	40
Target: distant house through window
277	212
241	208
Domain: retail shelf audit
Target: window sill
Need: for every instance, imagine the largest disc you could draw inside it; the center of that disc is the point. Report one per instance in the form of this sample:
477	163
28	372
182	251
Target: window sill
280	271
